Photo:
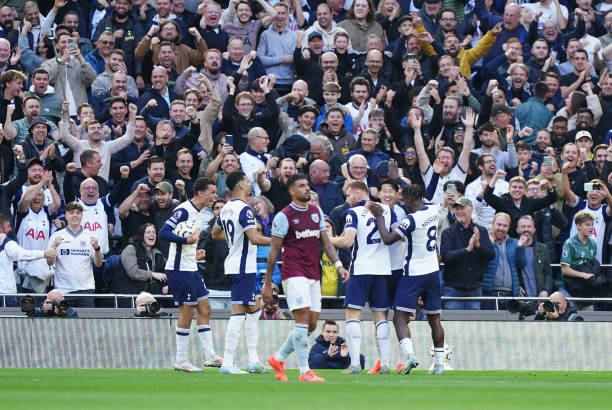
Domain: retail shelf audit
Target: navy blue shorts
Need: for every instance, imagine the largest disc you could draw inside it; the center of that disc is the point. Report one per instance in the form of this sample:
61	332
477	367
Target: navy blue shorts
394	279
187	288
244	289
371	288
411	287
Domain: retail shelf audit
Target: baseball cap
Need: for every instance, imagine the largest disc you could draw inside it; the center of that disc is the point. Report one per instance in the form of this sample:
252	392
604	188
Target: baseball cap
34	161
498	108
382	169
583	133
164	186
39	120
404	18
315	34
463	201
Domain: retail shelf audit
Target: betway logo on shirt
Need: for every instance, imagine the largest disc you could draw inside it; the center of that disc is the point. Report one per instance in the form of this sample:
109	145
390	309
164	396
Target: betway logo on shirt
308	233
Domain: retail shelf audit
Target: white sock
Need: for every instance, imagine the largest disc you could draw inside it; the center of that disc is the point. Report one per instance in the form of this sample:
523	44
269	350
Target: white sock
207	342
353	334
285	350
382	339
300	344
405	347
232	338
182	344
439	355
251	333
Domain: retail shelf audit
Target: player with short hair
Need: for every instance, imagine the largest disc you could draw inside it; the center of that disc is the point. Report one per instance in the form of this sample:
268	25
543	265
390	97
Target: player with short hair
370	270
421	276
184	281
236	224
299	229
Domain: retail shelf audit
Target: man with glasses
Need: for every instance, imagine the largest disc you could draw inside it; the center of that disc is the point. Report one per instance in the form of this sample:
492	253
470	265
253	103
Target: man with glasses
212	33
98	57
255	155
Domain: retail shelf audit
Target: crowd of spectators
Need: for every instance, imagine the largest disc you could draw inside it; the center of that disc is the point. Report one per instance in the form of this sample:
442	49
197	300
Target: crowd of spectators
502	110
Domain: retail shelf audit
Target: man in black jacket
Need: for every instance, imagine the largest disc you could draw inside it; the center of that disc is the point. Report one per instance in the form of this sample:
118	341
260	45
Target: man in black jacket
465	249
329	350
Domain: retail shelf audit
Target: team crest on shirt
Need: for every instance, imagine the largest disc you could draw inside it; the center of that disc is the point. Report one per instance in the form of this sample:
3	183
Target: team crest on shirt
83	243
249	214
296	221
177	214
315	217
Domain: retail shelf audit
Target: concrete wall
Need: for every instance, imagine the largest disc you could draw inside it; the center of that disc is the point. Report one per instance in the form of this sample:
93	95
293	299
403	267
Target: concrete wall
149	343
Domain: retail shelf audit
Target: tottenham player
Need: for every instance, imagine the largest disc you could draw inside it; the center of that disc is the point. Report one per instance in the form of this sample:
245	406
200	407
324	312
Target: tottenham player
184	281
388	191
236	224
299	229
421	278
370	270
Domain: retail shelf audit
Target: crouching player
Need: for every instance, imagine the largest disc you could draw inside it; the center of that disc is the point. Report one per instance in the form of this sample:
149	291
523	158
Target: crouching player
421	277
184	281
299	228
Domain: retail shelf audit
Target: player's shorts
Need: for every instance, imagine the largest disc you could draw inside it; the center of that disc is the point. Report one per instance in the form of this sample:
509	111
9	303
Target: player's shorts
303	292
187	288
371	288
244	288
411	287
393	282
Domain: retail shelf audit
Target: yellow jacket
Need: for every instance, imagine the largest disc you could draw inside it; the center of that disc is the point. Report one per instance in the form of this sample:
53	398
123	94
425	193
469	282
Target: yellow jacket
467	58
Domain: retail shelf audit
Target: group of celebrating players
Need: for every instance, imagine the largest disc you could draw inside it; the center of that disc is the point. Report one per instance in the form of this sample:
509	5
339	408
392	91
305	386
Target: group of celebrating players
394	263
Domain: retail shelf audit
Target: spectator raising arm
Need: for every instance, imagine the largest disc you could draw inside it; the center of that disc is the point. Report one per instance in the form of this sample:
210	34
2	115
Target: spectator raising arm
415	121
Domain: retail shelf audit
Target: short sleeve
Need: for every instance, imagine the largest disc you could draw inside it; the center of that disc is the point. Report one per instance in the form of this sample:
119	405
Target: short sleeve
566	254
179	215
350	221
246	218
321	220
280	225
406	226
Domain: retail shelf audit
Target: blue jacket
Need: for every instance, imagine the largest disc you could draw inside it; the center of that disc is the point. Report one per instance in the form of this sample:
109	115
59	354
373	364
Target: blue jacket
332	197
534	114
96	60
372	158
318	357
516	259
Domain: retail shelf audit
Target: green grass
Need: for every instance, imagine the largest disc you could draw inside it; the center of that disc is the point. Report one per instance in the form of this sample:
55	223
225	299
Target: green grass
166	389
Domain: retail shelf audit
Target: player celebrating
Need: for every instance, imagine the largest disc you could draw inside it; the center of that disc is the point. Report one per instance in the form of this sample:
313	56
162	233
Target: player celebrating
184	280
388	193
421	278
236	224
370	270
299	228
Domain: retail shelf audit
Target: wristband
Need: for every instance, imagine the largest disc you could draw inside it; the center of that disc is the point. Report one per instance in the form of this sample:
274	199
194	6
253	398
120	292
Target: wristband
97	249
338	264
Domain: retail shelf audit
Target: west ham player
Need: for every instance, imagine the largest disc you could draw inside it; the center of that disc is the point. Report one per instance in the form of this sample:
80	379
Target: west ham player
370	270
184	280
299	228
421	278
236	224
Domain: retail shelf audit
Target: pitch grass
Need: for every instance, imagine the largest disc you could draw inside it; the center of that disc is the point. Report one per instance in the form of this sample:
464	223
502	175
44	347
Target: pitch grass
167	389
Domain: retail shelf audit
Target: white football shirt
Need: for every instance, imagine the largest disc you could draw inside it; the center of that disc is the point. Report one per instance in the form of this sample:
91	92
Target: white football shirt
235	218
419	231
181	256
74	261
370	254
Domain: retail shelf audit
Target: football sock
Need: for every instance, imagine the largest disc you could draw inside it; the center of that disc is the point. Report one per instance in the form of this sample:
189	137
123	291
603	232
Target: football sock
300	344
232	338
182	343
206	341
406	348
439	355
251	333
353	333
382	337
285	350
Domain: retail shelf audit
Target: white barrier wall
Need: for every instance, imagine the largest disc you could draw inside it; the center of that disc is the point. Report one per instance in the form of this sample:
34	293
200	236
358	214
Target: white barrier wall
149	343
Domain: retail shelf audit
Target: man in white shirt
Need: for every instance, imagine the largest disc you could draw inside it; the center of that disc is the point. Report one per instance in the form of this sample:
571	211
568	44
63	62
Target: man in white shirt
9	252
255	155
76	252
